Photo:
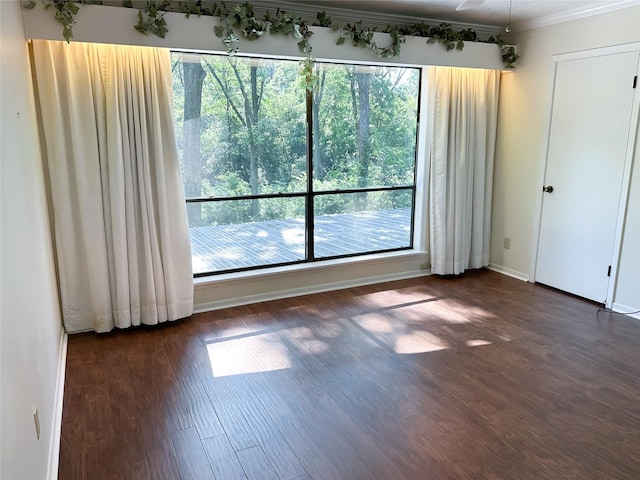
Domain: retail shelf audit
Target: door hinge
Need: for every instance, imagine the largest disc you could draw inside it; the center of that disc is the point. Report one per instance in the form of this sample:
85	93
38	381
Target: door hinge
635	81
609	271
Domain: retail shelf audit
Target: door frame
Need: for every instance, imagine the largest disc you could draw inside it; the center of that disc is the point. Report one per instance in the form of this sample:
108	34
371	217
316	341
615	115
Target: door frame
632	143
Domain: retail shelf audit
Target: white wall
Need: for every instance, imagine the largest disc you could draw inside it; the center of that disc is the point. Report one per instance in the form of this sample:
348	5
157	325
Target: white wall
30	324
525	103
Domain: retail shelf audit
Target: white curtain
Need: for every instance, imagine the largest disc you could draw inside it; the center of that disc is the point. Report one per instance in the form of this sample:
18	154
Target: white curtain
464	105
120	224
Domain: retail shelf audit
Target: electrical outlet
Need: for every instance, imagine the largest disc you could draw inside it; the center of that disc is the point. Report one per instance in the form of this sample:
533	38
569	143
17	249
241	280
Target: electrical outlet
36	420
507	243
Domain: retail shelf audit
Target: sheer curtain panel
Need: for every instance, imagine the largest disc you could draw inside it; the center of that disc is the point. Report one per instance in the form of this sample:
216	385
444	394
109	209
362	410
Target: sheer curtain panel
464	105
119	219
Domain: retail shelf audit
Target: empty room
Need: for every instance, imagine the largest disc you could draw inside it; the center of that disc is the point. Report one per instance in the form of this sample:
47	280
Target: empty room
323	240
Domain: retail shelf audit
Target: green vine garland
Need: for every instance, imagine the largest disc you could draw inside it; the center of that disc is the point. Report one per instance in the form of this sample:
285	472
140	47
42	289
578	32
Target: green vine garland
239	21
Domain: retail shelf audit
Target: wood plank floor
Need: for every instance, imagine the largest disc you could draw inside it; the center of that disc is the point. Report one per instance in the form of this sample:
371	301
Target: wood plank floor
477	377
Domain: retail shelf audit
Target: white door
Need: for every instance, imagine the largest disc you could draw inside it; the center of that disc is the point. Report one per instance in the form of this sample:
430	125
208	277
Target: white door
592	106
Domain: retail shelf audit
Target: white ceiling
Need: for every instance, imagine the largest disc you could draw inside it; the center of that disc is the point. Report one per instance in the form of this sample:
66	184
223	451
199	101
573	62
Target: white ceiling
488	12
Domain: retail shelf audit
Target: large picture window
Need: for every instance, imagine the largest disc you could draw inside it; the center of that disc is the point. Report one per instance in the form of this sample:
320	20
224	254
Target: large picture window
275	175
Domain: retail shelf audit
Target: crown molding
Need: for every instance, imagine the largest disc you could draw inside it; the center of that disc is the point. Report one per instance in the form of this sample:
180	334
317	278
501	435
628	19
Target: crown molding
371	19
610	6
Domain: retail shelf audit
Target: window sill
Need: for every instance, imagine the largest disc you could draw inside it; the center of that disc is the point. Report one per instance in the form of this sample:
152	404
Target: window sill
264	273
241	288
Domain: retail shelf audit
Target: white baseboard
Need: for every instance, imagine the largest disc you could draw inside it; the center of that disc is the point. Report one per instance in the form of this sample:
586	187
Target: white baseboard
56	428
509	272
631	311
297	292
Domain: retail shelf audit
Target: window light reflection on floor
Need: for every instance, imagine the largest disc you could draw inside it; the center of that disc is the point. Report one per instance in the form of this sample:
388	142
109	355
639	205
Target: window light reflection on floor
421	323
248	354
418	342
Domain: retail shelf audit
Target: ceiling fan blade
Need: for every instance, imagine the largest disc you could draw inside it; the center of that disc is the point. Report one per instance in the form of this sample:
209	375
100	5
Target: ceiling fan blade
469	4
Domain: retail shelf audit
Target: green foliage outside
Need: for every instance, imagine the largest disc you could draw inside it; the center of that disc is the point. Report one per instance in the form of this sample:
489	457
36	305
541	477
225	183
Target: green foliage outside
252	136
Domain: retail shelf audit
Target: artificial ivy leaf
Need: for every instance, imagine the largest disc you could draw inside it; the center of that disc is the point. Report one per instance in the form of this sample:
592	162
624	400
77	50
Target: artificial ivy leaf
61	17
30	5
142	26
72	7
322	19
340	41
67	33
431	40
460	45
218	30
304	46
160	27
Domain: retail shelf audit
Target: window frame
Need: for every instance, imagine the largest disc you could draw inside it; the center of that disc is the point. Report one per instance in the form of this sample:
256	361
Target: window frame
310	194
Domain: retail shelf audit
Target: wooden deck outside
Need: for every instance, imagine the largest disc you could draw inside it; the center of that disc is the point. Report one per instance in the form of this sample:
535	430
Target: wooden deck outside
224	247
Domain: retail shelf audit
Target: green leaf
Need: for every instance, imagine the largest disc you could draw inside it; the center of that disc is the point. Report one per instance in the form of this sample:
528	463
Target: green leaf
340	40
72	7
67	33
459	45
218	30
29	5
160	27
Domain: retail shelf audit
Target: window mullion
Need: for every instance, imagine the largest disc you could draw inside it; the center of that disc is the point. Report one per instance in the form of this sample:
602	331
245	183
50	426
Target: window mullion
309	213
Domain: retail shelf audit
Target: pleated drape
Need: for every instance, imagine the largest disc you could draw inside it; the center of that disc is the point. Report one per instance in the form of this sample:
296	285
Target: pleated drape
119	217
464	106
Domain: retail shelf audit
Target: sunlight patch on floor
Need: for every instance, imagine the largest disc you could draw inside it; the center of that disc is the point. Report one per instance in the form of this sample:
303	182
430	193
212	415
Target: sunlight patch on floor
477	343
389	299
418	342
375	323
252	354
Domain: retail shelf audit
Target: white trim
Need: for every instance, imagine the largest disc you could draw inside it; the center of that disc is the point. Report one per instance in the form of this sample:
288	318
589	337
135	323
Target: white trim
597	52
625	189
619	308
549	20
242	288
341	15
542	174
56	426
509	272
296	292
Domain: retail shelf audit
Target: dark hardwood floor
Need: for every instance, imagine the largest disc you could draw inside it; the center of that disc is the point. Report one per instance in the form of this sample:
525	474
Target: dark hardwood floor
477	377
